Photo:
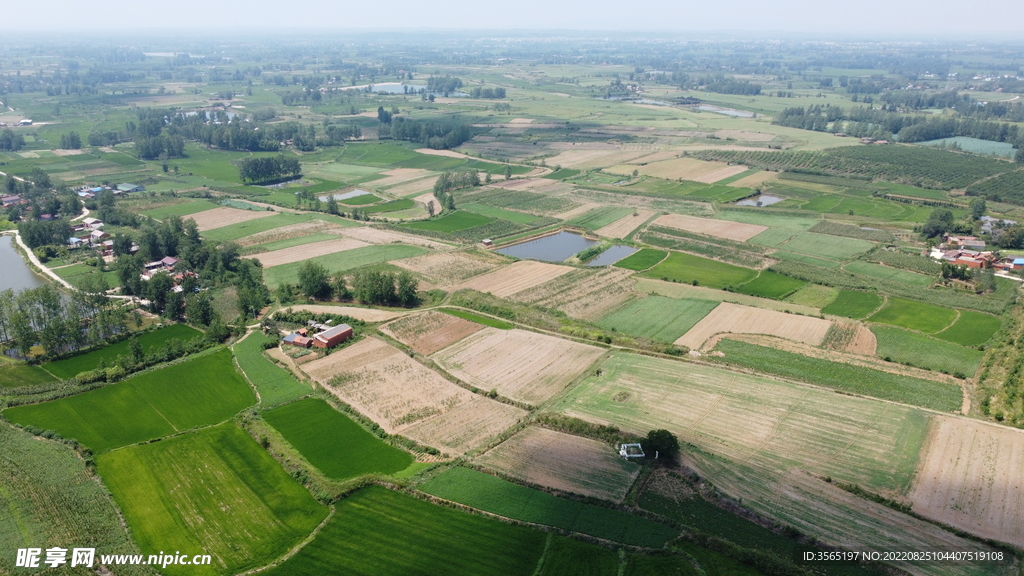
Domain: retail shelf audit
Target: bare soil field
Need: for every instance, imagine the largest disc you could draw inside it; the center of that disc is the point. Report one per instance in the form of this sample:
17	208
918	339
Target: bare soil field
430	331
446	153
656	157
971	476
625	225
535	184
728	317
380	236
737	231
364	314
307	251
521	121
721	174
286	232
398	176
594	158
516	277
564	462
59	152
745	135
584	294
519	364
403	396
677	290
447	269
685	168
863	342
576	211
218	217
754	180
427	199
414	186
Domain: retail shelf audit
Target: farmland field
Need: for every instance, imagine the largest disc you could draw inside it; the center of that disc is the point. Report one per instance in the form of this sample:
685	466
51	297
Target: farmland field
971	329
686	268
728	317
377	532
736	231
213	490
274	383
920	316
568	557
770	284
585	293
13	375
493	212
625	225
459	220
564	462
446	269
879	271
492	494
517	277
430	331
521	365
922	351
841	376
180	209
853	304
825	246
600	217
814	295
343	261
657	317
221	217
305	252
642	259
196	392
483	320
333	442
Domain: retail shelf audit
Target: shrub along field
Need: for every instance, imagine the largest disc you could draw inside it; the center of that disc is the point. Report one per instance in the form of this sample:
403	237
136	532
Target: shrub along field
492	494
971	329
853	304
685	268
200	391
908	347
841	376
333	442
214	490
657	317
770	284
275	384
920	316
642	259
70	367
377	532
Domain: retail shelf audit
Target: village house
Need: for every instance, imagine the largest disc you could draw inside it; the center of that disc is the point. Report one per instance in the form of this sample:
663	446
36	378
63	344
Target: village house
333	337
94	223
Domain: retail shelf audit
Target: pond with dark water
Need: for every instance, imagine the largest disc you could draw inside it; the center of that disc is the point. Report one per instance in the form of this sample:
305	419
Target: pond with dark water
16	273
761	200
553	248
612	255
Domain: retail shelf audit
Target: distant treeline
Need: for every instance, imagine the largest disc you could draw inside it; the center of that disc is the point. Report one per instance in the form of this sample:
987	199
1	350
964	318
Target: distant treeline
439	135
256	170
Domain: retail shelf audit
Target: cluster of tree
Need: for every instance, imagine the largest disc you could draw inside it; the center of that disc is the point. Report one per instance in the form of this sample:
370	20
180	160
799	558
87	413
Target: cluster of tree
11	142
108	138
438	135
917	100
137	359
816	117
268	169
936	128
160	147
941	222
36	233
304	316
952	271
317	283
70	141
57	323
443	85
479	92
454	180
337	134
384	288
728	85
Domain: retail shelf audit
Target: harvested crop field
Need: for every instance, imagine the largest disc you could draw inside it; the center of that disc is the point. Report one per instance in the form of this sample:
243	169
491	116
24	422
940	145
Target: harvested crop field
364	314
677	290
595	158
584	293
970	477
519	276
219	217
400	175
403	396
563	462
379	236
737	231
307	251
728	317
430	331
754	180
521	365
447	269
286	232
685	168
625	225
536	184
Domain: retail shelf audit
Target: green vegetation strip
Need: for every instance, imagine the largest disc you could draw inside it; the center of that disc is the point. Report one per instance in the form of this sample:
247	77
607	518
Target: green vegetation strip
333	442
681	267
215	491
841	376
382	533
853	304
274	383
657	317
486	321
201	391
70	367
492	494
642	260
908	347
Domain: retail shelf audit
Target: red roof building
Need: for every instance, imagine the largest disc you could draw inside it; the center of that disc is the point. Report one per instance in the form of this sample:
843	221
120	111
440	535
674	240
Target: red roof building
333	337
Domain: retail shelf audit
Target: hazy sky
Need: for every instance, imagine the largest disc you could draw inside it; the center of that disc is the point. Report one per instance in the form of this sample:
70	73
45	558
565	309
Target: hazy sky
981	19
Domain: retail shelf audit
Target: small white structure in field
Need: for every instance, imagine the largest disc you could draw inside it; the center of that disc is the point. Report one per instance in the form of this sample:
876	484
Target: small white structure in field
628	451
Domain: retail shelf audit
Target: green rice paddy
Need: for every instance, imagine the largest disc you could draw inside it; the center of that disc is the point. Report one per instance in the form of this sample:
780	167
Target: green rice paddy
686	268
72	366
657	317
853	304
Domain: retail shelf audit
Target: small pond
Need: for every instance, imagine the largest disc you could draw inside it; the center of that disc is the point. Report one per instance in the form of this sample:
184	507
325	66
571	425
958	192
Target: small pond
612	255
16	273
760	200
726	111
553	248
346	195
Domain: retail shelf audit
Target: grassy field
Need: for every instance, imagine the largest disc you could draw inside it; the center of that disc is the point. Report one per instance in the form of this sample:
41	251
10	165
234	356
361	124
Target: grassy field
459	220
70	367
249	227
492	494
214	490
657	317
971	329
391	206
642	259
494	212
908	347
927	318
599	217
333	442
15	374
853	304
811	244
568	557
288	243
77	273
485	320
377	532
879	271
274	383
197	392
181	209
51	499
841	376
680	267
773	285
814	295
343	261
